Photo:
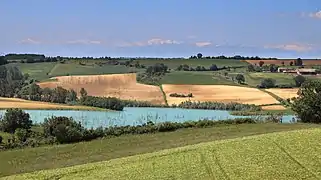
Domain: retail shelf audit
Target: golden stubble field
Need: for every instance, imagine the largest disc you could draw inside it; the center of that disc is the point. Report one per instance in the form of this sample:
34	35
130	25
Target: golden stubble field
284	93
123	86
6	103
220	93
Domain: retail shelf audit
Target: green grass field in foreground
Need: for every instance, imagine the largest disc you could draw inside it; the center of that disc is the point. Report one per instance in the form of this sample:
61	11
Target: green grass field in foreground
285	155
33	159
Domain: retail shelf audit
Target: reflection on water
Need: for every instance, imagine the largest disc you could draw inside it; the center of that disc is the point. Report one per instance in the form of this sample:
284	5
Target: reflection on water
136	116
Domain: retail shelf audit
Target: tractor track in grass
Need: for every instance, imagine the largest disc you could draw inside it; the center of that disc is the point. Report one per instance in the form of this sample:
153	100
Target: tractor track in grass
294	159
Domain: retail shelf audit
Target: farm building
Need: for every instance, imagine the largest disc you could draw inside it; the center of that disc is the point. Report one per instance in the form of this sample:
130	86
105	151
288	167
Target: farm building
301	71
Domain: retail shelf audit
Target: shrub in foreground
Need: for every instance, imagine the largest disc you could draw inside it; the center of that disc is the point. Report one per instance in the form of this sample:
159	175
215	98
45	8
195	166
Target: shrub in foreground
14	119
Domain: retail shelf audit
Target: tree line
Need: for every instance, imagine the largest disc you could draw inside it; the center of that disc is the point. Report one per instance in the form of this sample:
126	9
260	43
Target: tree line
236	57
63	130
213	67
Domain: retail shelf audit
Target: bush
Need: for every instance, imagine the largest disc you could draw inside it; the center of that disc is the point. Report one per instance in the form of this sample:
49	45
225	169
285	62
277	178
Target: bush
63	129
14	119
299	80
285	86
180	95
219	106
21	134
268	83
1	138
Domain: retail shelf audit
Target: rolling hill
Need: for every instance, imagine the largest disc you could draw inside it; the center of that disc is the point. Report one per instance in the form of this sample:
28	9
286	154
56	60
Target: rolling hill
285	155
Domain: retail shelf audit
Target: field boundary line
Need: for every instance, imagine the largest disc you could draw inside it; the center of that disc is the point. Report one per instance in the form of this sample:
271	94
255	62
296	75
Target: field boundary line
164	94
219	165
53	69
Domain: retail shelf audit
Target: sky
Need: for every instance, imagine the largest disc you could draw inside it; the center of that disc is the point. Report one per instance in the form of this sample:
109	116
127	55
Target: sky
162	28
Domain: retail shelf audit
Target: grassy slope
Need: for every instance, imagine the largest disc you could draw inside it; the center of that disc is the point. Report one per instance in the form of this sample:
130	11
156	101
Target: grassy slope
43	71
268	156
197	78
32	159
37	71
254	79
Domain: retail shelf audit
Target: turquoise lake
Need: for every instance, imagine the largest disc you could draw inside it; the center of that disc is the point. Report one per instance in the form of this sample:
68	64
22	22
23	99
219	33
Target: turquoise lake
136	116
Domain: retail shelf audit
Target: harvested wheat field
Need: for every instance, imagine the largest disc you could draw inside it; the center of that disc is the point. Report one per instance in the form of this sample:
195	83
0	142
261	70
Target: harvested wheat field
284	93
273	107
123	86
6	103
220	93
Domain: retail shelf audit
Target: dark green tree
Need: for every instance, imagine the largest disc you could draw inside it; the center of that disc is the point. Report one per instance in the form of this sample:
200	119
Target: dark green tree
250	68
59	95
14	119
3	60
308	103
199	55
213	67
34	92
299	80
268	83
298	62
240	78
72	96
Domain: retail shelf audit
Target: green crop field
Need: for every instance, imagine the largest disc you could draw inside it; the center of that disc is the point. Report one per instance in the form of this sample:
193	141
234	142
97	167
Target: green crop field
254	79
39	71
194	77
174	63
49	157
91	69
283	155
43	71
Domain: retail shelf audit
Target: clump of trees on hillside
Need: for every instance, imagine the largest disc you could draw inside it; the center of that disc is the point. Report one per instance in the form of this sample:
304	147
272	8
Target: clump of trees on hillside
153	74
11	80
307	104
213	67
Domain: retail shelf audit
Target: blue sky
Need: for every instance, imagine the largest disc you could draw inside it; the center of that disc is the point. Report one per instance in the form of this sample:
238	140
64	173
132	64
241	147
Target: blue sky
163	28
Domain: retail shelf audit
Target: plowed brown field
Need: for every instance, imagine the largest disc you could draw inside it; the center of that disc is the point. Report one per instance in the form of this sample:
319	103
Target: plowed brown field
286	62
220	93
123	86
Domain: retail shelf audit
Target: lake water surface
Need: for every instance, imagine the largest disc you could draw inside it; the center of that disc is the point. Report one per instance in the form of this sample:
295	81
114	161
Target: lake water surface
135	116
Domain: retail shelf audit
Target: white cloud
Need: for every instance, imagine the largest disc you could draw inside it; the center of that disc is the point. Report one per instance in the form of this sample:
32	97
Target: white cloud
82	41
316	15
150	42
291	47
202	44
29	41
